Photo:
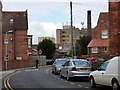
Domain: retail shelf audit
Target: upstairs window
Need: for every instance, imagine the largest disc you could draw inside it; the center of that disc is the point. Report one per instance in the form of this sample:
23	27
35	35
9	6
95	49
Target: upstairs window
104	34
11	20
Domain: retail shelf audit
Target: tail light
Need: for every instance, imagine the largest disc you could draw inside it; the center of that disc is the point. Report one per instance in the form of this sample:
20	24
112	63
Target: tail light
74	69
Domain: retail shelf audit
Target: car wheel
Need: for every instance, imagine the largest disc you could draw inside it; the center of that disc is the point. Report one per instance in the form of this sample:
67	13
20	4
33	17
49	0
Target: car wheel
115	85
92	82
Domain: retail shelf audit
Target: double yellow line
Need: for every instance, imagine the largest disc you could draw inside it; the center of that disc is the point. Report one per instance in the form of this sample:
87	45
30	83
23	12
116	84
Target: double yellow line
7	84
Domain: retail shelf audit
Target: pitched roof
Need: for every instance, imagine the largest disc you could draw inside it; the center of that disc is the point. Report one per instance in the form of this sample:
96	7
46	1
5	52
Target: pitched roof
98	43
103	17
20	20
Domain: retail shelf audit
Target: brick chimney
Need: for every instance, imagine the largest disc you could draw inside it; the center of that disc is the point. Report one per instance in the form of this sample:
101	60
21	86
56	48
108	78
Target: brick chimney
114	28
89	22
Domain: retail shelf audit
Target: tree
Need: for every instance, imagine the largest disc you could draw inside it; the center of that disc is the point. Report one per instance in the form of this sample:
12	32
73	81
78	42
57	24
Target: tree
83	42
78	48
47	47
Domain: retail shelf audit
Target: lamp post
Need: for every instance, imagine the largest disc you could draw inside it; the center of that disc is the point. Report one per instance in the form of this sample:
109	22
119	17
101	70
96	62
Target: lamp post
6	40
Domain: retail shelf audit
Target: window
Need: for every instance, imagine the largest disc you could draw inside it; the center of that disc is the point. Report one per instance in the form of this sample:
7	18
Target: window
105	49
103	66
94	50
104	34
29	42
11	20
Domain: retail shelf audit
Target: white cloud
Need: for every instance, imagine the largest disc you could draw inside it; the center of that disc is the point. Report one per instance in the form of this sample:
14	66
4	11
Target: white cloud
40	29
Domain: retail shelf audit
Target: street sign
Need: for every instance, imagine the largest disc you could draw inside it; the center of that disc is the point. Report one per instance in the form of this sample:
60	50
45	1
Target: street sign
40	51
6	40
5	58
66	46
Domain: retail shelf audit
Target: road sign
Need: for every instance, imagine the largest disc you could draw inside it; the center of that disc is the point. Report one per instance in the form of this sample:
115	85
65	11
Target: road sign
6	40
40	51
6	58
66	46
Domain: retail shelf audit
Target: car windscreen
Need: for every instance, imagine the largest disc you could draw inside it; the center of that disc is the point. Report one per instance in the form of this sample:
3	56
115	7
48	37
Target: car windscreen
81	63
60	62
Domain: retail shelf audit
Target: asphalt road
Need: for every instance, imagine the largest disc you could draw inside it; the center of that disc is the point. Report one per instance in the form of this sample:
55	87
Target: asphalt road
43	78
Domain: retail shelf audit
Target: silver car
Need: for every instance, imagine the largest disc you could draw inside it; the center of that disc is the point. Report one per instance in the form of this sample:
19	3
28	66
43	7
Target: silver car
75	68
56	67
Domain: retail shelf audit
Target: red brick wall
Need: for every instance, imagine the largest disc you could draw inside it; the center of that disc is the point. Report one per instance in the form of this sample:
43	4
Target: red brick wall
114	23
17	47
97	32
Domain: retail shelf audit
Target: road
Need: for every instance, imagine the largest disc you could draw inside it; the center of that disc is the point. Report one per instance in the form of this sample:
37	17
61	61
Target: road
43	78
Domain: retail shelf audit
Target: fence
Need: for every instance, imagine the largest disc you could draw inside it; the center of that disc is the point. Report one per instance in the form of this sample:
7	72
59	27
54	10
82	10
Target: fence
41	58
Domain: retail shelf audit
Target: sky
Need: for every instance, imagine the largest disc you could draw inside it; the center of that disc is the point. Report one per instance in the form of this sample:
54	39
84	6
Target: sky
45	16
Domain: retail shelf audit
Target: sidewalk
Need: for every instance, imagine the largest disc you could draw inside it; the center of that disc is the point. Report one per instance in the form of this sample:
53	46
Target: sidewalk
5	73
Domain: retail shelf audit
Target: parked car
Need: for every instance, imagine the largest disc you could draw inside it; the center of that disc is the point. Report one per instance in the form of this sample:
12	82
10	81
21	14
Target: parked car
107	74
49	62
75	68
57	65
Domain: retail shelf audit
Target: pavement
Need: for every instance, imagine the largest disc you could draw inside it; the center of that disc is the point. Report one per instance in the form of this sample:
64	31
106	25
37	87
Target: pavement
5	73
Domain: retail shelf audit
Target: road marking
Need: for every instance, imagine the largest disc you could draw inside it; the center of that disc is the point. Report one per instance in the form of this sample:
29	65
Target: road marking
61	79
66	81
86	87
79	85
5	84
58	78
9	83
71	83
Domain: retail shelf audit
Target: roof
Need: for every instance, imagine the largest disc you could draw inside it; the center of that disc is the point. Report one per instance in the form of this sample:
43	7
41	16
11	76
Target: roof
103	17
98	43
20	20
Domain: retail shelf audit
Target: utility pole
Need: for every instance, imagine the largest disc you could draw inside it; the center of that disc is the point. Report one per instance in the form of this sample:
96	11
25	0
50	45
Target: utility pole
72	49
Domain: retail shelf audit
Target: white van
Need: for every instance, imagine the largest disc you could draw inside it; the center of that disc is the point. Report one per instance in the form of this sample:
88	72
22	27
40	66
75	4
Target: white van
108	74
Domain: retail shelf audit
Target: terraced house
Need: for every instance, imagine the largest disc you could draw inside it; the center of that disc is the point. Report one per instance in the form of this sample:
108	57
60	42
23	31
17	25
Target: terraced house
16	44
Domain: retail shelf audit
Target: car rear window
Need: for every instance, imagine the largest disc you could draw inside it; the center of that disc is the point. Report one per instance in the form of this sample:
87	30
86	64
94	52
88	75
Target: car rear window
81	63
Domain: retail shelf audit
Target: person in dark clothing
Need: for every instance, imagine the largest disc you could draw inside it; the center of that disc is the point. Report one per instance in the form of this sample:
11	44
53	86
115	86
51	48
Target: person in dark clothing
36	62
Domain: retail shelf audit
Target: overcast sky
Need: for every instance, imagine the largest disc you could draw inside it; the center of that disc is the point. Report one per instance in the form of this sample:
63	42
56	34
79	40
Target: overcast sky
45	16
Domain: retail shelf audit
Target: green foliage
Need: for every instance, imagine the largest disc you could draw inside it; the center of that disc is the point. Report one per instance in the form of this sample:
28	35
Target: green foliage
47	47
83	42
78	48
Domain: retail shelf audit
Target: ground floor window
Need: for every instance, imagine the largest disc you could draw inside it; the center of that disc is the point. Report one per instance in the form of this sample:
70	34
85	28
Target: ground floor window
105	49
94	50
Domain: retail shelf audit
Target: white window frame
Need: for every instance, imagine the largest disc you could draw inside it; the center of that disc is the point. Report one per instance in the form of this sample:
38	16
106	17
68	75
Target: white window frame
105	49
94	50
29	42
104	34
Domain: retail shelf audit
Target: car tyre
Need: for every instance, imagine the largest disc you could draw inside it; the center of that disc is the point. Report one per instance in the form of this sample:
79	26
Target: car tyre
115	85
92	82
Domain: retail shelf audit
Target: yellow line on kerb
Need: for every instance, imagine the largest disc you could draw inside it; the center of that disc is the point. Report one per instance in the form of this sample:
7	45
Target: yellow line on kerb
7	84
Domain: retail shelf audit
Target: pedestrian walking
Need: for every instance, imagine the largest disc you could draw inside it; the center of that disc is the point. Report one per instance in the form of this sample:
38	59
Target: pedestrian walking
37	63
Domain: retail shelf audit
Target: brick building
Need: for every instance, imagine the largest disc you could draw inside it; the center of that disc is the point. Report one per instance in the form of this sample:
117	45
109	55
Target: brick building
15	45
98	47
108	25
114	27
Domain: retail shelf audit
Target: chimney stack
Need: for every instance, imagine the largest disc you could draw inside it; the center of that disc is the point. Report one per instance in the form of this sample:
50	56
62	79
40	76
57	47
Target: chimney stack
89	23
